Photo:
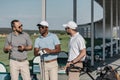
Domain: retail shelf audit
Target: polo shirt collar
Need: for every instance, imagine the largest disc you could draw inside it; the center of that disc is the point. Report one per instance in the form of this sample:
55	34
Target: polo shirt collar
46	36
75	35
15	34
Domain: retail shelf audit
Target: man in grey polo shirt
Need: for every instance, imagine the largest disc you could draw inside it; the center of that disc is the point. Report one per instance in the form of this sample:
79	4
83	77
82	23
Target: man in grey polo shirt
17	44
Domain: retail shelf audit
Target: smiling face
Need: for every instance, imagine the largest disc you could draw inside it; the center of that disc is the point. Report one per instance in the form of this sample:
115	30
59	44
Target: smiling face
43	30
68	30
17	27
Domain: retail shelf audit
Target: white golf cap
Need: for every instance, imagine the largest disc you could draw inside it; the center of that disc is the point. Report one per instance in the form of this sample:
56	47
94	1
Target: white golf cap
43	23
70	24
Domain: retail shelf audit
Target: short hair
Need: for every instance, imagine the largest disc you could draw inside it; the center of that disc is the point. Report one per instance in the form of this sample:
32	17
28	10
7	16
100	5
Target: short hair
13	21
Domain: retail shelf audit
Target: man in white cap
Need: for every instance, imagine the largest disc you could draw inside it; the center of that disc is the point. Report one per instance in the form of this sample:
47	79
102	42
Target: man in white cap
47	45
77	50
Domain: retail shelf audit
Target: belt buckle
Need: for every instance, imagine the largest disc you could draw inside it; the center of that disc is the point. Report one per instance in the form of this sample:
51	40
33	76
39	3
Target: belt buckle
48	61
21	60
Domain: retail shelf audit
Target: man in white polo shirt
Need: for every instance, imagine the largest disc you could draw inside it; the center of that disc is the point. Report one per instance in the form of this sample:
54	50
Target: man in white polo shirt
77	49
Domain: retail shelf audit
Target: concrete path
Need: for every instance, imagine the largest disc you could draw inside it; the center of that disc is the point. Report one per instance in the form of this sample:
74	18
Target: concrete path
113	61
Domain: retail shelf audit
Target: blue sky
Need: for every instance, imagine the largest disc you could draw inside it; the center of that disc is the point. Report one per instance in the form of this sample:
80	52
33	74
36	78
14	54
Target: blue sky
29	12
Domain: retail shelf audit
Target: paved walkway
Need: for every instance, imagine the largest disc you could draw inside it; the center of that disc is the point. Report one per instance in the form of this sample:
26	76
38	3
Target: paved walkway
113	61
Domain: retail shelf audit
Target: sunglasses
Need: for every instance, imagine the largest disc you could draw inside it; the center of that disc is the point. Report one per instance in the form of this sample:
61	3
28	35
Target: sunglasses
42	27
20	26
67	28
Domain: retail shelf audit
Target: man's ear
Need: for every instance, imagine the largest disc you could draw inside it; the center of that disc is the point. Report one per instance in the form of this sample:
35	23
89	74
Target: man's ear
14	29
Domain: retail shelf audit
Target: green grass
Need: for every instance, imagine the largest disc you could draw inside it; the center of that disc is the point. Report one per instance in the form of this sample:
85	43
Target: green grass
64	38
64	42
4	56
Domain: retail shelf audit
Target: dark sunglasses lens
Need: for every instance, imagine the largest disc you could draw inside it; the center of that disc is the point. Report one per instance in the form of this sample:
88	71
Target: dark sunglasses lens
41	27
20	26
67	28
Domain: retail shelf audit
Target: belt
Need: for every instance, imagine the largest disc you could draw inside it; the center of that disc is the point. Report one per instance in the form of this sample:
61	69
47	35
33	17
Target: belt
75	62
18	59
50	60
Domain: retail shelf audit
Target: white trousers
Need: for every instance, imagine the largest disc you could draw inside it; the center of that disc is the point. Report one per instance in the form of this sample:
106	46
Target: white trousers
17	67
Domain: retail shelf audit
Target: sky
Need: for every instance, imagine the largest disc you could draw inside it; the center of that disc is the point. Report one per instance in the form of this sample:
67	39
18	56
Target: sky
29	12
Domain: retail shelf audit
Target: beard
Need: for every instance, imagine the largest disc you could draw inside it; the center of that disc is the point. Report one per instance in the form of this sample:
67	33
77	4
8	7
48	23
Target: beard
20	32
68	33
43	32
